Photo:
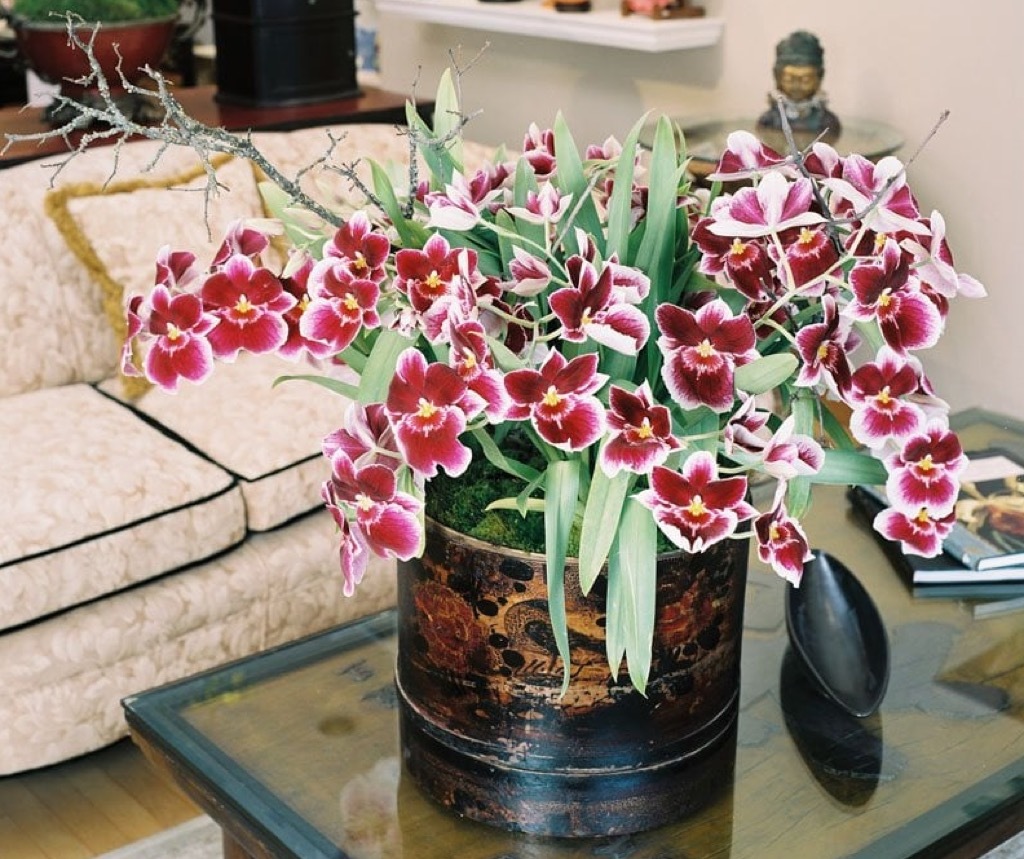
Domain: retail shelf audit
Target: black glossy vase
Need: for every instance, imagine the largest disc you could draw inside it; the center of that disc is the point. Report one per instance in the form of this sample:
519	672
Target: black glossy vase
485	731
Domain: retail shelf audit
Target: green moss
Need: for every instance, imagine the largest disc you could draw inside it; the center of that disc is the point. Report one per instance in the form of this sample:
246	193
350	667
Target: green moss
95	10
461	503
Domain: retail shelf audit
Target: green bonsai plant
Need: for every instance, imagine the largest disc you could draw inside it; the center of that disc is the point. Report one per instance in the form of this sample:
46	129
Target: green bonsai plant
94	10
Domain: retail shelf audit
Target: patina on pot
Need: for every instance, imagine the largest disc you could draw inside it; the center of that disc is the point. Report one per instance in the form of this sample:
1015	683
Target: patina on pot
485	730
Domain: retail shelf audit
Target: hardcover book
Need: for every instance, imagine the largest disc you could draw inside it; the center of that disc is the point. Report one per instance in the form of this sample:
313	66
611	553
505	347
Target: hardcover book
941	576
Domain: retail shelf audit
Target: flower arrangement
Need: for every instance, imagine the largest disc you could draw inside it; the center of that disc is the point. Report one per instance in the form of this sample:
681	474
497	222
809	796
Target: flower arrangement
652	345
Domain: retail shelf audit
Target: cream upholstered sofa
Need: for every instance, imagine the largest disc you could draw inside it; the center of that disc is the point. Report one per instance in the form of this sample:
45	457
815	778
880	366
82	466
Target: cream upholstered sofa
146	537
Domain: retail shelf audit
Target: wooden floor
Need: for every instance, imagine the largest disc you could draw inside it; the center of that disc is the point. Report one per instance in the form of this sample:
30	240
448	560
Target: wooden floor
85	807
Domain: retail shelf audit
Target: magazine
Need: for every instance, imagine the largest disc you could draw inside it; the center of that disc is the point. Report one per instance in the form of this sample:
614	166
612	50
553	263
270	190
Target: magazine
989	533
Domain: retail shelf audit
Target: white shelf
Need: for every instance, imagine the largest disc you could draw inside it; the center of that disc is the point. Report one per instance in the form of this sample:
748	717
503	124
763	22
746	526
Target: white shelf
605	27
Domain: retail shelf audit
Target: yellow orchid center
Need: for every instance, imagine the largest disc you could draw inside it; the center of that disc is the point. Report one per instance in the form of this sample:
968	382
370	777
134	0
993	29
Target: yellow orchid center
926	464
806	236
879	242
350	302
426	408
364	502
551	398
359	263
585	319
304	303
823	351
922	516
885	299
173	331
884	398
243	305
696	507
705	349
737	248
469	360
645	430
433	281
774	532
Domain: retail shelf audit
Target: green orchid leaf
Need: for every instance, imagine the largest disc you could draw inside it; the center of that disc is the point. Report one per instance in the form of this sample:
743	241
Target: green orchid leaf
380	367
851	468
382	187
345	389
634	582
621	203
836	431
561	491
766	373
657	249
448	118
600	522
798	493
499	460
572	180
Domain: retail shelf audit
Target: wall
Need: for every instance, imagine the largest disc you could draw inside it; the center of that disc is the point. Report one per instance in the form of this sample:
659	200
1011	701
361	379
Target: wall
899	61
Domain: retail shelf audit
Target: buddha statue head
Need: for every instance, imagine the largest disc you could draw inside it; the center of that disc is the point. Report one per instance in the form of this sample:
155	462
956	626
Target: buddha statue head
799	66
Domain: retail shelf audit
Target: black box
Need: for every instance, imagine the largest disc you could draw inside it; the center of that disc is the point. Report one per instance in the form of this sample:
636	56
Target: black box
284	52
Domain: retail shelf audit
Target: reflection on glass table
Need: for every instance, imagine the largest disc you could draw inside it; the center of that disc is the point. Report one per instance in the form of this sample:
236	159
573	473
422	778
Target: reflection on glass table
705	139
295	751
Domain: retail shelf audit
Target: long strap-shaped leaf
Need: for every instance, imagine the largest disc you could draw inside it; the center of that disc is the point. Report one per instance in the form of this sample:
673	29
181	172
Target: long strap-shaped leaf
561	488
600	523
380	366
572	180
632	592
621	203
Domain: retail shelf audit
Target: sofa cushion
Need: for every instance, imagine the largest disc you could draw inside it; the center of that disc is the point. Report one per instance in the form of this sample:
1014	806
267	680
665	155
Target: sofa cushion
64	677
70	251
268	437
95	500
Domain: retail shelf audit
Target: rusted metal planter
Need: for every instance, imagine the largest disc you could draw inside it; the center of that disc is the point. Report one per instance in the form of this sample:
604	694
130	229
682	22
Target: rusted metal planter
485	732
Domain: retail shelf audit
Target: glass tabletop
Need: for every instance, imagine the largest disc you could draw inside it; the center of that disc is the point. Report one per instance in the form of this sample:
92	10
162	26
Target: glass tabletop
705	138
301	743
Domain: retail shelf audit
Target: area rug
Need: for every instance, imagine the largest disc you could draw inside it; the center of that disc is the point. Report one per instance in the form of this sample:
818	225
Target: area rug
198	838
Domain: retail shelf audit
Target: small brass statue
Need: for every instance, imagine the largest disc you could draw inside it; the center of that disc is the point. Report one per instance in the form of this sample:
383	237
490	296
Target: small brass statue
799	69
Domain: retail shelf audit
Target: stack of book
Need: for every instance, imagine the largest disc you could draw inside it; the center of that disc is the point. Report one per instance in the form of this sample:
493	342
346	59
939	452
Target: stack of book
983	556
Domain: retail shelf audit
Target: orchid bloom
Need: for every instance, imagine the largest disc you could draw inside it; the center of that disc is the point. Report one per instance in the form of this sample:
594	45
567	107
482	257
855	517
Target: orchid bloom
366	437
824	349
744	156
372	514
701	352
878	194
781	542
424	406
545	206
919	533
340	306
885	290
879	393
588	309
364	250
934	263
176	269
530	274
788	454
640	434
296	283
177	330
244	239
924	473
471	359
776	204
250	303
695	509
539	150
558	399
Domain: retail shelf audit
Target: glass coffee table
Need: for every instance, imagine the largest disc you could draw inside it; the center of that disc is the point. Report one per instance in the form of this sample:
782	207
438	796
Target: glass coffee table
295	752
